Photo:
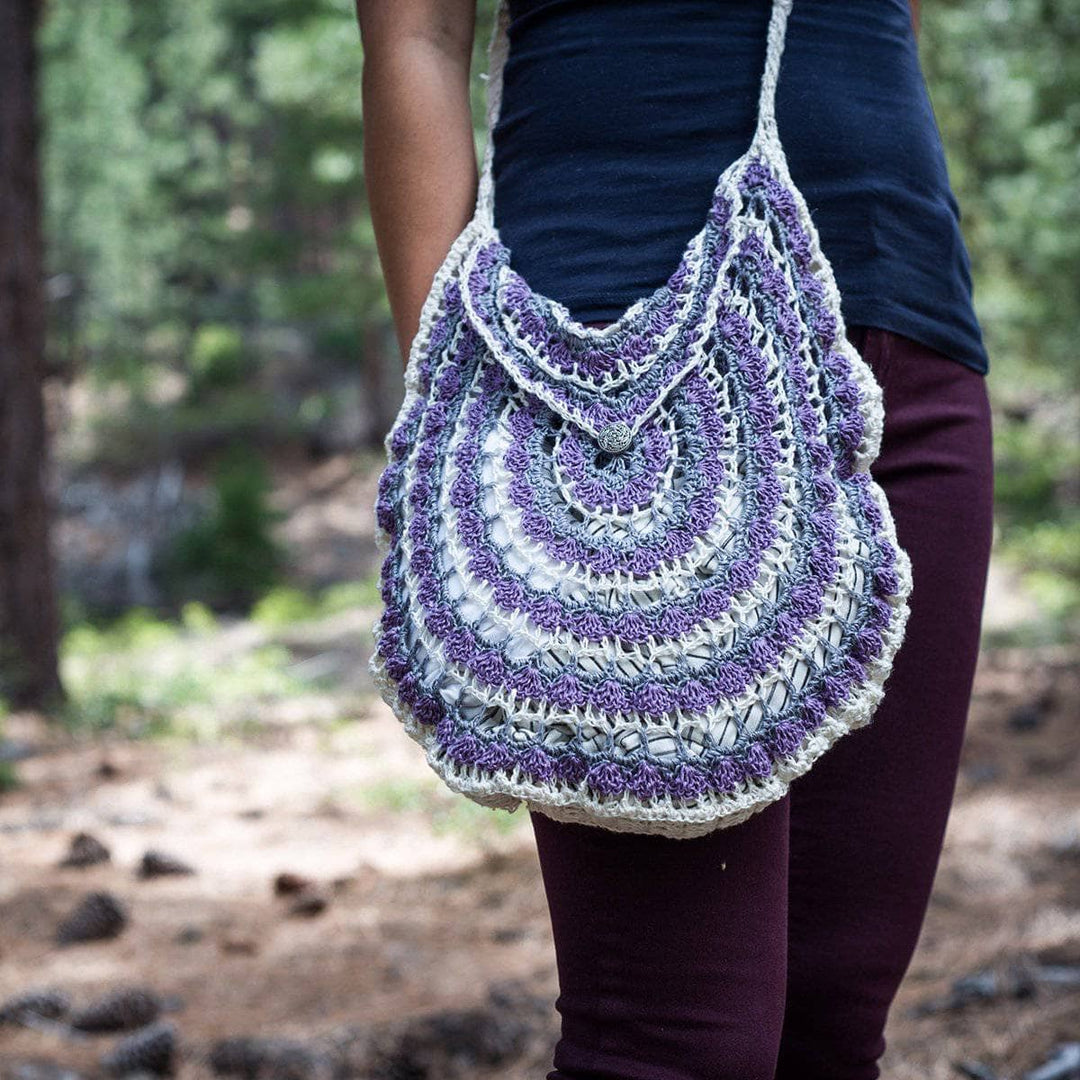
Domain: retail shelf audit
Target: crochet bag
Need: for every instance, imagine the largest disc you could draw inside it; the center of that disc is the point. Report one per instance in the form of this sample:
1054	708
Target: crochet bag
639	576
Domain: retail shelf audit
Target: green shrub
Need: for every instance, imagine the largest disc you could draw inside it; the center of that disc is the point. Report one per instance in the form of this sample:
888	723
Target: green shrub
1033	464
144	676
1037	460
9	777
230	557
286	605
283	606
350	594
219	359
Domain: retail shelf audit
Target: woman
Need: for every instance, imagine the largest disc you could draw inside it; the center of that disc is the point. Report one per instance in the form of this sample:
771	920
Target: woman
773	948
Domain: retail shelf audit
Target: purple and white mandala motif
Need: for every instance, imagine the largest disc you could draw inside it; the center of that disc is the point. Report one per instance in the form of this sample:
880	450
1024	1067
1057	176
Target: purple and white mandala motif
639	575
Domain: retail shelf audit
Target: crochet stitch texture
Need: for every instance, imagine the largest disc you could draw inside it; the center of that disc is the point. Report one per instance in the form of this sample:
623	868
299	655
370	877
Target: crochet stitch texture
639	576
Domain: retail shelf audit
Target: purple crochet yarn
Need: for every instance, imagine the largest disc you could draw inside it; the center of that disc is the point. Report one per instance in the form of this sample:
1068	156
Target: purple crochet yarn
504	428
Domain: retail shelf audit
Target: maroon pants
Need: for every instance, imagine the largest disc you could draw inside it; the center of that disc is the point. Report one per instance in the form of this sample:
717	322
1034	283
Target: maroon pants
773	949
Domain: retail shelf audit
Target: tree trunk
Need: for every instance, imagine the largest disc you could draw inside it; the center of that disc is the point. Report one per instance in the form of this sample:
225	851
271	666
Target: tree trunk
28	609
381	370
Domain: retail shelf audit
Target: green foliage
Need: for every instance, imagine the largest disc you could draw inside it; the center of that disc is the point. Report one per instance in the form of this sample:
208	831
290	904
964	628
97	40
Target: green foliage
351	594
1035	469
200	158
218	359
147	432
456	815
231	556
138	629
1055	545
396	795
204	164
203	172
1006	86
107	228
1048	555
1036	488
448	813
144	676
9	777
197	618
286	605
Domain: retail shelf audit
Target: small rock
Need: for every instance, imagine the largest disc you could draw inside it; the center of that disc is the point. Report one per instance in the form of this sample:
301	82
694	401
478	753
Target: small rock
268	1059
109	770
157	863
1027	717
85	850
35	1004
308	903
122	1010
240	946
98	917
288	884
452	1043
151	1050
1048	764
982	772
980	986
190	935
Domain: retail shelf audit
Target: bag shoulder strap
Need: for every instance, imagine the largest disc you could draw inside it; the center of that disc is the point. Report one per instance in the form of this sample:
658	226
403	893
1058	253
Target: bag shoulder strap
499	46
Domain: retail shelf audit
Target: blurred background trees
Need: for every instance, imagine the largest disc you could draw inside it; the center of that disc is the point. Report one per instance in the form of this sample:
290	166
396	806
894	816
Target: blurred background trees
1004	79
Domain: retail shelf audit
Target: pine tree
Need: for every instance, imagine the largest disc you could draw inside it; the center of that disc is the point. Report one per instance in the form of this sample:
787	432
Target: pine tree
28	610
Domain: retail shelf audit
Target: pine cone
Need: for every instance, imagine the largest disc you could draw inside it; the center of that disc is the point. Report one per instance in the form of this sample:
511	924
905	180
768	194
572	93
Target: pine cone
255	1058
150	1050
309	902
98	916
41	1004
160	863
85	850
288	883
240	1056
123	1010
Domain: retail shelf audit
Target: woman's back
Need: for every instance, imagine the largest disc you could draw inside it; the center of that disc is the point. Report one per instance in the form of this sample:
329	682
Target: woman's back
618	117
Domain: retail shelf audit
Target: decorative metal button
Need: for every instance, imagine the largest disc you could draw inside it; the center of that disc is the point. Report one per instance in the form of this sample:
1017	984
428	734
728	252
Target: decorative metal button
614	437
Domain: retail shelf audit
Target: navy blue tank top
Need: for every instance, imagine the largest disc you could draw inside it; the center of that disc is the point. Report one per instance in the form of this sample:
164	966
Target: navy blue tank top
618	116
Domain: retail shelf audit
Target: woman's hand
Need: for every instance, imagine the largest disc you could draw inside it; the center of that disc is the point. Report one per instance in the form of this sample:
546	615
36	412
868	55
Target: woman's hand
419	155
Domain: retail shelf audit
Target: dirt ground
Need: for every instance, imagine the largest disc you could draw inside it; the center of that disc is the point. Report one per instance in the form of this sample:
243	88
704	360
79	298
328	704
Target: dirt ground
424	909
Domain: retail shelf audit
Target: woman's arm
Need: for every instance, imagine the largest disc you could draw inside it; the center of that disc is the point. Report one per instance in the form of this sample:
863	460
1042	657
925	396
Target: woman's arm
915	15
419	155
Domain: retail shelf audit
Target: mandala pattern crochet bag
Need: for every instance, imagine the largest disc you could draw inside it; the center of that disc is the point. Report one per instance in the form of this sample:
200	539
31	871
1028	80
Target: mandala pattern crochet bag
639	575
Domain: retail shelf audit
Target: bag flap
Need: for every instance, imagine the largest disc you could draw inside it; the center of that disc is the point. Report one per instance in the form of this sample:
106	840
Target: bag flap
594	377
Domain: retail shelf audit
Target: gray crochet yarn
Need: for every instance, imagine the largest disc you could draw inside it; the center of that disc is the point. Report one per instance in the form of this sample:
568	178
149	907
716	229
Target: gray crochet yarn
639	576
